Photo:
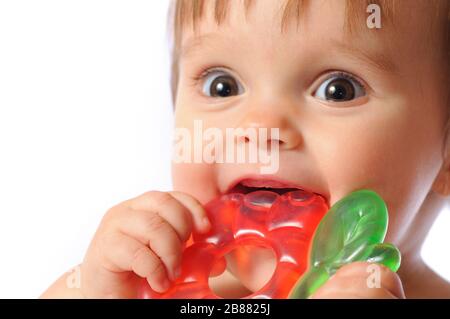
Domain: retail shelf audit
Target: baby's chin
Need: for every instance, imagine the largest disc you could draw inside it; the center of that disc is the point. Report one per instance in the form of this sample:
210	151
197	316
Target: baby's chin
252	266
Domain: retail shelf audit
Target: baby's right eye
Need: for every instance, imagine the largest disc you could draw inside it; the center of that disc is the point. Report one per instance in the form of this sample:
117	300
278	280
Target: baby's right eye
219	83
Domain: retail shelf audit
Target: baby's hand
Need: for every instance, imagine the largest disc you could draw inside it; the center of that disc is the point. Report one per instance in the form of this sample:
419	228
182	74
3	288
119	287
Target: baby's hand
356	281
140	238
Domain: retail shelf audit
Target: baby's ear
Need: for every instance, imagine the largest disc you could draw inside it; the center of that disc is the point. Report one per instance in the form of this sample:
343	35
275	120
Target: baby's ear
441	184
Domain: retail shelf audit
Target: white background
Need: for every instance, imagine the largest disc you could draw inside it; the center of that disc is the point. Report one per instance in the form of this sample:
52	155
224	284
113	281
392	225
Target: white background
85	123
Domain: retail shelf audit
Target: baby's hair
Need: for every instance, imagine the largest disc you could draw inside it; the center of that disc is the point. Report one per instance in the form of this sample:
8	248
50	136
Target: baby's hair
185	13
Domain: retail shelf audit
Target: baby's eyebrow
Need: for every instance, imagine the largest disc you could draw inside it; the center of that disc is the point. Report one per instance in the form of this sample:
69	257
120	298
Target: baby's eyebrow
377	59
195	42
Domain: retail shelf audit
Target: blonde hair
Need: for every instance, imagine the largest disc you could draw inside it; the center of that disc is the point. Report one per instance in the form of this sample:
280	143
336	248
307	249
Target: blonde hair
185	13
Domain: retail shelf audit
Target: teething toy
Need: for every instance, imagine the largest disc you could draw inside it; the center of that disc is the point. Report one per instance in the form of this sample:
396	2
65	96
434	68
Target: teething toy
284	223
352	230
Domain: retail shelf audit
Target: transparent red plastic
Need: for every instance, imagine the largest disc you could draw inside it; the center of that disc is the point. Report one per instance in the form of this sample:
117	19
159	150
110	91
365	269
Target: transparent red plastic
285	223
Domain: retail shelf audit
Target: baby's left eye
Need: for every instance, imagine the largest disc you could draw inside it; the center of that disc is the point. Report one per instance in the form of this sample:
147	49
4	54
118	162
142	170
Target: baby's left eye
340	87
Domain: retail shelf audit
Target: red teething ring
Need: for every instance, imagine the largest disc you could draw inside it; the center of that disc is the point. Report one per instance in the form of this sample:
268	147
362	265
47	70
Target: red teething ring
285	223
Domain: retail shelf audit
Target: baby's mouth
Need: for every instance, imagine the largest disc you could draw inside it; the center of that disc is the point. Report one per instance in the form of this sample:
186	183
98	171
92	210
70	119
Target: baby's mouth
242	189
249	185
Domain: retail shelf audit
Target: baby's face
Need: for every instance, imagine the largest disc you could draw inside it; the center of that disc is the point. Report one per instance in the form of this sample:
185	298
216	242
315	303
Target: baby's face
365	110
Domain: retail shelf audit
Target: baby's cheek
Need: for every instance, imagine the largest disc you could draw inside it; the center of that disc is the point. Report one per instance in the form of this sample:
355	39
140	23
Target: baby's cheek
197	180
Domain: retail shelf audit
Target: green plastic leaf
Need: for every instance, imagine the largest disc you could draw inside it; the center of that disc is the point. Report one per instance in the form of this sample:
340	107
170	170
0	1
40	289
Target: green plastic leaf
387	255
352	230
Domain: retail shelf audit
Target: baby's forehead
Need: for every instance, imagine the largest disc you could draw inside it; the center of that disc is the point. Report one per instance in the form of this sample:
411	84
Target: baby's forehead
344	18
336	25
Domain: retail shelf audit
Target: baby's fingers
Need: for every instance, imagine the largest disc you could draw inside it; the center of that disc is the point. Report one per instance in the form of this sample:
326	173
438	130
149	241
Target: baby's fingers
179	209
122	253
362	280
155	232
200	219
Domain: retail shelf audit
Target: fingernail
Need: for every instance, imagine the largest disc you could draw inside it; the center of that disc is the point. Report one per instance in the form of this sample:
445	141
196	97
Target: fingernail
165	284
177	272
205	222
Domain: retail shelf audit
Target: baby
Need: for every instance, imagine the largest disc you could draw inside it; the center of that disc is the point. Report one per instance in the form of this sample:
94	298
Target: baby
358	91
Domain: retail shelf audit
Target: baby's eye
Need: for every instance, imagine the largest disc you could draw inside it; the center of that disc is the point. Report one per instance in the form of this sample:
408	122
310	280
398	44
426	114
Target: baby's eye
221	84
340	87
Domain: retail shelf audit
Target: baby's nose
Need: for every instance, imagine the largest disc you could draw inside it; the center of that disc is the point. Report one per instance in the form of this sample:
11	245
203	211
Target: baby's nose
279	129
